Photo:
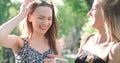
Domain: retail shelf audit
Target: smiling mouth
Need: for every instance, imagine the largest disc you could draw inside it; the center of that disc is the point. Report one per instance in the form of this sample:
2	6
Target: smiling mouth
43	28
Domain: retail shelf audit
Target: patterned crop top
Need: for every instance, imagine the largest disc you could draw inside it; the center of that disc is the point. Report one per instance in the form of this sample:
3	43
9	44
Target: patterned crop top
27	54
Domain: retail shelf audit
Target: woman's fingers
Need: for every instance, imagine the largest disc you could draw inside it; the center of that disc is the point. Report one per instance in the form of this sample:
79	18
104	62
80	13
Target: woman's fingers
25	7
54	56
51	55
49	60
27	3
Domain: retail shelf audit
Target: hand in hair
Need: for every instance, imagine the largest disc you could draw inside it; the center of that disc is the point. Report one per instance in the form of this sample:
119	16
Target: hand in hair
25	7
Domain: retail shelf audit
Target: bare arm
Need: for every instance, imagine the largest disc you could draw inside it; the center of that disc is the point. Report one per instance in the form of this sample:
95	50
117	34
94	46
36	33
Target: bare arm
11	41
115	54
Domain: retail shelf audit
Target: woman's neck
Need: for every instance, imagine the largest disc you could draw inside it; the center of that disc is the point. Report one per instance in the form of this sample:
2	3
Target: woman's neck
38	37
101	37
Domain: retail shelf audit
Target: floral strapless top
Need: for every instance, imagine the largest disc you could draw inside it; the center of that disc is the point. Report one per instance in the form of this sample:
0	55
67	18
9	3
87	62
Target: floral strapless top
29	55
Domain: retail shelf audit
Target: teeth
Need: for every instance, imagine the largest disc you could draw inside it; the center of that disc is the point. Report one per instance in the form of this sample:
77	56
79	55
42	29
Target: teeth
43	28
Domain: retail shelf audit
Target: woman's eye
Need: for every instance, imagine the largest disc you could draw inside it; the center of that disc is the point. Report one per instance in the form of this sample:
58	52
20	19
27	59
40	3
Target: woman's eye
50	19
40	18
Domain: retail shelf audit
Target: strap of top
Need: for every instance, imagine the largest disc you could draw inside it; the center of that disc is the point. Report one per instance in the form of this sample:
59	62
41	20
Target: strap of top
86	39
107	60
25	41
25	44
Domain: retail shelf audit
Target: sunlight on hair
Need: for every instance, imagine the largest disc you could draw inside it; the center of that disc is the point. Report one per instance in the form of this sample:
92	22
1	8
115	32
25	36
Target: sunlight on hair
17	0
60	2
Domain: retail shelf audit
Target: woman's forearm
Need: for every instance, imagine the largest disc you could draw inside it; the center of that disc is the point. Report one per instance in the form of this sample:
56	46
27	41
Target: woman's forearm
7	27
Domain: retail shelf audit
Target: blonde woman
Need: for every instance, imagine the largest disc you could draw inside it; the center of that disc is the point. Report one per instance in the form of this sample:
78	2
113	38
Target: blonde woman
39	32
104	46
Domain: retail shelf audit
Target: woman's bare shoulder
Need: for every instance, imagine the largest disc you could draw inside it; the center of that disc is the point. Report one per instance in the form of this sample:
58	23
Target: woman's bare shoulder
115	53
116	47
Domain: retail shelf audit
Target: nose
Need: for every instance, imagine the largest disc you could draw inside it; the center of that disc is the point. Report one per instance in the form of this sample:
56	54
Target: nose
89	13
45	21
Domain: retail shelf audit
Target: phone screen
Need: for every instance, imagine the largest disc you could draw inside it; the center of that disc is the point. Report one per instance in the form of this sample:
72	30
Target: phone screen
61	60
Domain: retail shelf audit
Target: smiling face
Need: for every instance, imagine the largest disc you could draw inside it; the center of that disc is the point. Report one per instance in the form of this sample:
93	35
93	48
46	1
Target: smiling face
96	14
41	19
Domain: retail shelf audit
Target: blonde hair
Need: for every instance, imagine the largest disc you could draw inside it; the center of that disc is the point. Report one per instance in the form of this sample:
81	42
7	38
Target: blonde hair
111	13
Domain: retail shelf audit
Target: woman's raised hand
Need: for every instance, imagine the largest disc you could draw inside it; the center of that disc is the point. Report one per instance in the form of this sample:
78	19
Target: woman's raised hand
25	7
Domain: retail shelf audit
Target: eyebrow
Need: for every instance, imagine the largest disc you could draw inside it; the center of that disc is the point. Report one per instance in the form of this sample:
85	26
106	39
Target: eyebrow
43	16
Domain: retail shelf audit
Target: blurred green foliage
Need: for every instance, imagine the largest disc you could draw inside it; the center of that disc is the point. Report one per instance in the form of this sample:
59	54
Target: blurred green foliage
71	60
8	9
72	15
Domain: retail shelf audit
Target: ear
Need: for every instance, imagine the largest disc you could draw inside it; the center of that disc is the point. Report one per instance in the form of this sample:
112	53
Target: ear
29	17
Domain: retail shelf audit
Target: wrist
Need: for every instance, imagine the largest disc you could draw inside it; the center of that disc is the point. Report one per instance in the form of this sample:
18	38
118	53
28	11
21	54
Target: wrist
22	15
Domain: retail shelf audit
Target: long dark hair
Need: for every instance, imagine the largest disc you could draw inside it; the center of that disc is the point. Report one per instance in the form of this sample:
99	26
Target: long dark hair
51	34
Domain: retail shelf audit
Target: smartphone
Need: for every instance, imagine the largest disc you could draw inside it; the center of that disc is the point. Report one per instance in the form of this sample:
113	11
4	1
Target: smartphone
61	60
